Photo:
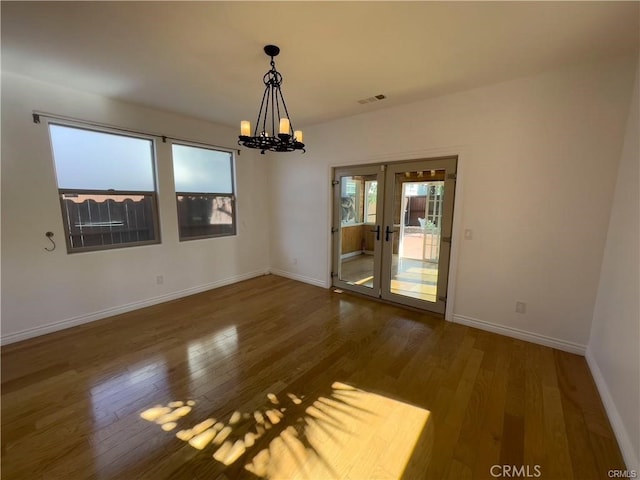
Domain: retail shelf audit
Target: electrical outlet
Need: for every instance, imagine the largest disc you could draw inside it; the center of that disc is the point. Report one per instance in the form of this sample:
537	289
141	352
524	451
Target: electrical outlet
468	234
521	307
159	280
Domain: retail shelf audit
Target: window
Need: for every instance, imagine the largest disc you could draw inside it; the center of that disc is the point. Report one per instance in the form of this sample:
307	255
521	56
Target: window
371	192
353	205
106	183
204	190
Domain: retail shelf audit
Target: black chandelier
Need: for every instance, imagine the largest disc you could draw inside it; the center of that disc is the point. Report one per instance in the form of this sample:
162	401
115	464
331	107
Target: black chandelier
287	140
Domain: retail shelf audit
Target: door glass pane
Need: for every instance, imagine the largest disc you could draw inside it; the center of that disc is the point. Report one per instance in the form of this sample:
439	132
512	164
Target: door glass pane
417	219
358	201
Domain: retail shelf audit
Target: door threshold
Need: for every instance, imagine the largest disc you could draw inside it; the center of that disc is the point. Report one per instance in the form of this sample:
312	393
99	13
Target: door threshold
411	308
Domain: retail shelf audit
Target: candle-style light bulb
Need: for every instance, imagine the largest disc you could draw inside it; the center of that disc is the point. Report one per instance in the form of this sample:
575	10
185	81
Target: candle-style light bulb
245	128
285	126
298	135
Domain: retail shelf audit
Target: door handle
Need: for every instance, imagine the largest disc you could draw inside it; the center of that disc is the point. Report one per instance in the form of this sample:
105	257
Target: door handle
387	232
377	232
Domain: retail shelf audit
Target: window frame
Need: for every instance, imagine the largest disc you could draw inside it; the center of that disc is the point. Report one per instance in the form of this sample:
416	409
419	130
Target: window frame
231	196
65	191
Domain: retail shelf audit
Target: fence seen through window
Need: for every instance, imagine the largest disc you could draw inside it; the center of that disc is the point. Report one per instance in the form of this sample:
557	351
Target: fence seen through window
204	181
107	188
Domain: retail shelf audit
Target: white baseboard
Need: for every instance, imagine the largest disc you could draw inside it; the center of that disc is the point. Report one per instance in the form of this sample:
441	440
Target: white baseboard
109	312
300	278
622	435
521	335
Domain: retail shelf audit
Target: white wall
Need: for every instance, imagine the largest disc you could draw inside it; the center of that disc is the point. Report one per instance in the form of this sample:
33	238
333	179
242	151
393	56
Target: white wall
538	158
613	352
44	291
539	162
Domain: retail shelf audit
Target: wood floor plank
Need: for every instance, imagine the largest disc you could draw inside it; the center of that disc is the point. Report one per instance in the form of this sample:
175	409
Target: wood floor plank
558	460
534	440
272	378
491	438
466	448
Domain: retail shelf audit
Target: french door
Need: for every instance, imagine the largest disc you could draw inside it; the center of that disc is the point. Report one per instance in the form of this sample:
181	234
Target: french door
392	230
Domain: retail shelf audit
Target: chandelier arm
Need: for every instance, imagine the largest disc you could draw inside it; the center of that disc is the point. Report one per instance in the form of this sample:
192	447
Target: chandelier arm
274	103
284	104
266	110
264	95
278	91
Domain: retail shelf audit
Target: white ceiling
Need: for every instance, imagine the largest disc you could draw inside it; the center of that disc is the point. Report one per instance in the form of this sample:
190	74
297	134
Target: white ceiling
205	59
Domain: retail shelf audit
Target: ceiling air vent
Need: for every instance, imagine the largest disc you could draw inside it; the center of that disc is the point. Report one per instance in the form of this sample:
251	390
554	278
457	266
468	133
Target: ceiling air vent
372	99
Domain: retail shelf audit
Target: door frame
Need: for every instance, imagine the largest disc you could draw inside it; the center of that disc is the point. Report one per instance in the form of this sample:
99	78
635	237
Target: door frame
460	153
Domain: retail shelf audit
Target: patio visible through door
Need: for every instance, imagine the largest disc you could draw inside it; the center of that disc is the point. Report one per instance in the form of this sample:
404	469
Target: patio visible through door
392	230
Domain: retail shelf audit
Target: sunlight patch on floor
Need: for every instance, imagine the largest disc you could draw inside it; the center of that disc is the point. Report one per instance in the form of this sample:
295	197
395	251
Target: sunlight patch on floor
415	290
364	281
348	433
355	434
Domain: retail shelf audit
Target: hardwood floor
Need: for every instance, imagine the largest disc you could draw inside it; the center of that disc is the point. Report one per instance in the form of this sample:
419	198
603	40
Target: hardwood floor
278	379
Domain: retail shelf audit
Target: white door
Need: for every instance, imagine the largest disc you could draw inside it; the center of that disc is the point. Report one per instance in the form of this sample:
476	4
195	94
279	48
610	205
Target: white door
418	214
392	228
357	229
